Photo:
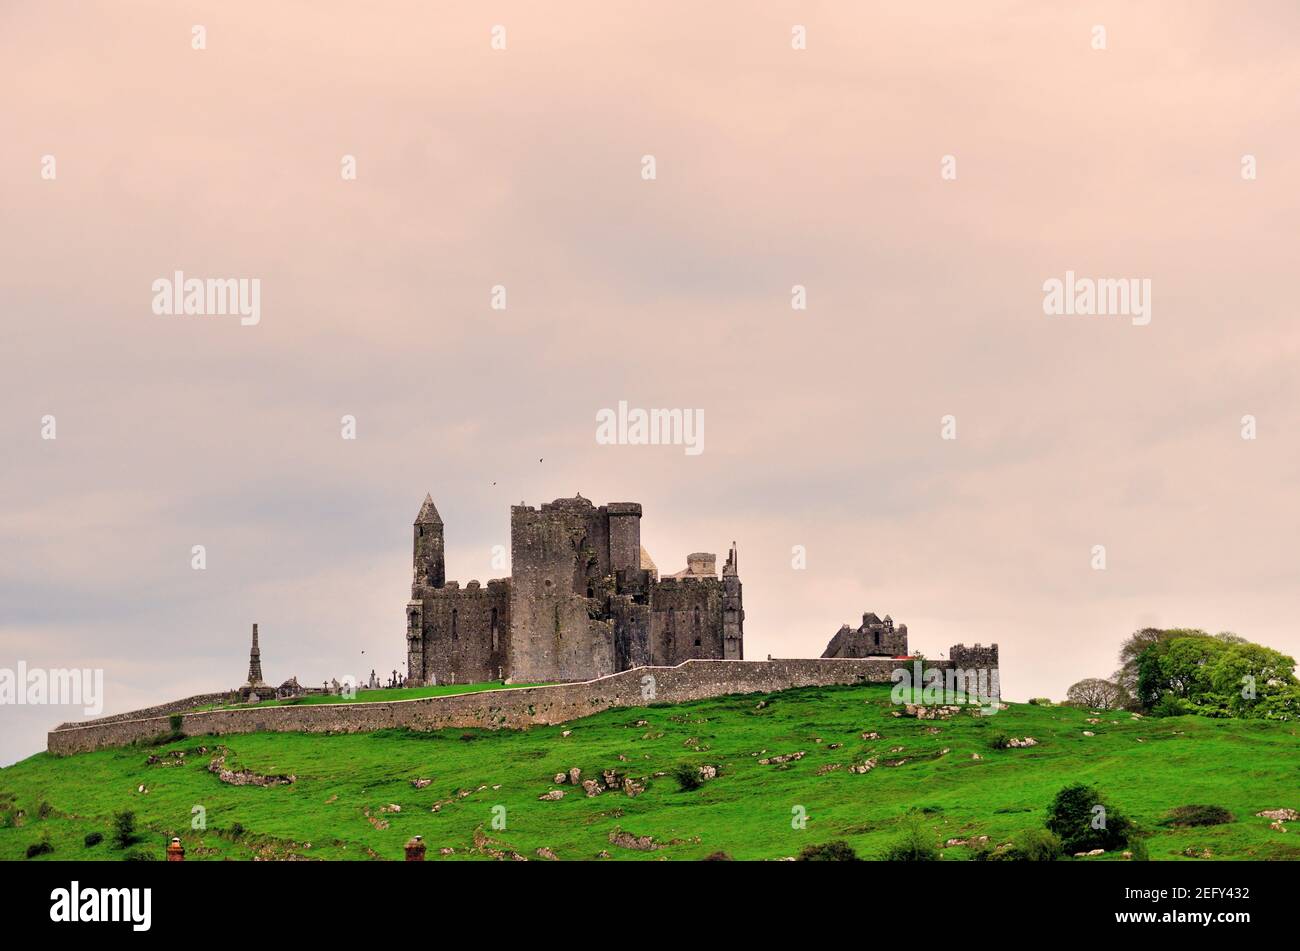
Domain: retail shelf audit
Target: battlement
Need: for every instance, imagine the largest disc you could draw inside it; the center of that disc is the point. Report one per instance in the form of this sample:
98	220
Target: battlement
974	657
452	589
680	583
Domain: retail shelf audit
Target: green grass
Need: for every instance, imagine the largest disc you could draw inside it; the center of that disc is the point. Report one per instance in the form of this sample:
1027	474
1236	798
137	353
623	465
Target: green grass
370	696
1243	766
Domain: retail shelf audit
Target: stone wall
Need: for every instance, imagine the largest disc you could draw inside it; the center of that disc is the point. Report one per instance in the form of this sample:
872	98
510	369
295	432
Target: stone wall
162	710
465	634
974	658
687	620
512	708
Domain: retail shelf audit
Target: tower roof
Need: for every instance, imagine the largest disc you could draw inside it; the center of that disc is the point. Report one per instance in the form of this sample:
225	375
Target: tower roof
428	513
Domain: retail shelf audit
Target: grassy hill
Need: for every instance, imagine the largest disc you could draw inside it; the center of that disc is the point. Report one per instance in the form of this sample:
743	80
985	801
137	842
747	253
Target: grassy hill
334	807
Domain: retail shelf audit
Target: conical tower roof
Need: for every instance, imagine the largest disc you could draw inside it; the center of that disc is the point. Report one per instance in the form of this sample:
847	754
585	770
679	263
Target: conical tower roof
428	513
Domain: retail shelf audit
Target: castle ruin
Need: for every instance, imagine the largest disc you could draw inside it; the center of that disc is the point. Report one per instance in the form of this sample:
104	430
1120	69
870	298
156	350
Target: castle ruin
875	638
584	600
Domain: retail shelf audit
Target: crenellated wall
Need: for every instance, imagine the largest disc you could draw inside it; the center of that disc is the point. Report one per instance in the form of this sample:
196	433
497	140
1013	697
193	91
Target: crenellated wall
508	708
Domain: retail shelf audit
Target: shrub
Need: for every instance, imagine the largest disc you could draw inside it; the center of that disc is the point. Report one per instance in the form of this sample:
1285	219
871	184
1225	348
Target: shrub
124	829
1074	817
1199	816
44	810
175	721
1171	706
236	830
1034	845
1138	847
914	846
687	776
1000	741
1040	701
42	847
837	851
139	855
93	839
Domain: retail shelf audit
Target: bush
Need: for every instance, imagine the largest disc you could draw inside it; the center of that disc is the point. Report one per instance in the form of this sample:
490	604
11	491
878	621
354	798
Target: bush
1000	741
687	776
42	847
837	851
1074	814
175	721
124	829
1034	845
236	830
44	810
1171	706
93	839
1199	816
914	846
1040	701
139	855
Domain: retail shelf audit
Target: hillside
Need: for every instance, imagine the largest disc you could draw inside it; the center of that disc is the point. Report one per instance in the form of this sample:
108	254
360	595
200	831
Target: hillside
334	807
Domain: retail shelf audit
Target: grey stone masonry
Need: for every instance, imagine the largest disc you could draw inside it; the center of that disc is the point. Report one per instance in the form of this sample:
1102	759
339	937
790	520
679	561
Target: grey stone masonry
507	708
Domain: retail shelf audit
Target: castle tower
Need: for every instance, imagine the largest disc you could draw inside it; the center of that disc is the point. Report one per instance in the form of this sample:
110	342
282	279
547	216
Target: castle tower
733	611
429	557
624	535
255	663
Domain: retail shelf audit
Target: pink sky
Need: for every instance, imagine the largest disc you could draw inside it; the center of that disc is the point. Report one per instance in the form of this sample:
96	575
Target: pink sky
522	167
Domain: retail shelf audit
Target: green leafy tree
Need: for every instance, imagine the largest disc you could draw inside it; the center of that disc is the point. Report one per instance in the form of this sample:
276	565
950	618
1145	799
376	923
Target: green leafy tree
1084	820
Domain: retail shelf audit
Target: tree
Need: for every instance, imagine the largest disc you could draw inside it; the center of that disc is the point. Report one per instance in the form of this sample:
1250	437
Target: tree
1096	693
1137	643
1085	821
1149	678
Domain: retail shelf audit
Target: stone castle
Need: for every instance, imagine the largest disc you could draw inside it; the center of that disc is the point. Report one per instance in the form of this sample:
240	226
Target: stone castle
881	638
584	600
875	638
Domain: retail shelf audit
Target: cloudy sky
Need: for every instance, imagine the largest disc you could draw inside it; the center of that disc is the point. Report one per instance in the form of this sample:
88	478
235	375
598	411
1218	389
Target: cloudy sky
522	167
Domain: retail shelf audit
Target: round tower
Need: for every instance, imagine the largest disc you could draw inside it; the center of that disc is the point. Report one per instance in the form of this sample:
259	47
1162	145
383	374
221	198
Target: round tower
429	556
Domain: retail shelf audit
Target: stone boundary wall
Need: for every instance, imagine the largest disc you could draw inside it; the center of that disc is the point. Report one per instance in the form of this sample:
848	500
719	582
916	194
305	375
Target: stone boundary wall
163	709
506	708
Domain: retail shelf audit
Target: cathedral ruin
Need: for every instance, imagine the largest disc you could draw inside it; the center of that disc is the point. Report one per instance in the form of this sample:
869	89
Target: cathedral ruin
584	600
